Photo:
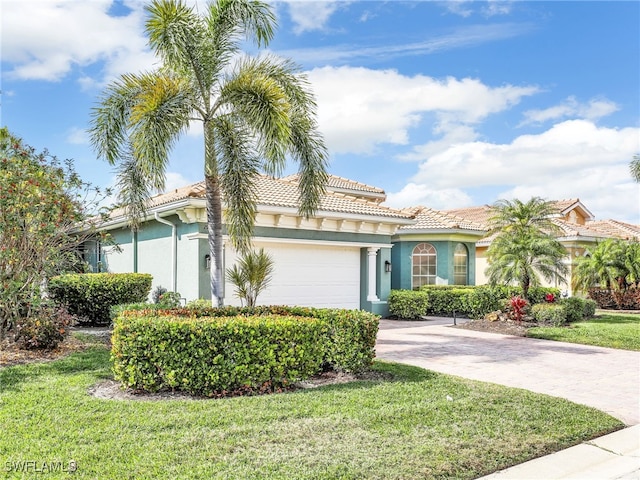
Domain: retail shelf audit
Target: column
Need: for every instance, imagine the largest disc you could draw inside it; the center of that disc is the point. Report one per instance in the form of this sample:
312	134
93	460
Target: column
372	253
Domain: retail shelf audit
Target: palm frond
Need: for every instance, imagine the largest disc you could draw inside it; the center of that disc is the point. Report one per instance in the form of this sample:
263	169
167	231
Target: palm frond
634	167
134	189
239	166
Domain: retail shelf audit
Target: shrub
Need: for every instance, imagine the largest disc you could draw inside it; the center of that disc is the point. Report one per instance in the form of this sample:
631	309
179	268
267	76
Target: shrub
483	300
349	340
157	293
45	329
408	304
549	314
444	301
517	308
169	300
540	294
589	308
628	299
199	303
90	296
574	308
214	356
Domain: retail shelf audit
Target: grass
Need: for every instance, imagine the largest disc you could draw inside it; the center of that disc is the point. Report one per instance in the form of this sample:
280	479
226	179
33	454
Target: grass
400	428
608	330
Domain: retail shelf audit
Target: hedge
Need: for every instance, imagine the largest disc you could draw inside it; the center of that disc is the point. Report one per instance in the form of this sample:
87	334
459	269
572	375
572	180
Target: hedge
472	301
210	351
90	296
628	299
551	314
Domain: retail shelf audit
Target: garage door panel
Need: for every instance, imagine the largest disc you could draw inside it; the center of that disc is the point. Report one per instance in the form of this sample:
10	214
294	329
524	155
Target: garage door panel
306	275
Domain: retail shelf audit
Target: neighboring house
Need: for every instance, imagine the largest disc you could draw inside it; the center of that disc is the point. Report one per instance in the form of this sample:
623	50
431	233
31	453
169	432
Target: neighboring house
437	249
335	259
580	232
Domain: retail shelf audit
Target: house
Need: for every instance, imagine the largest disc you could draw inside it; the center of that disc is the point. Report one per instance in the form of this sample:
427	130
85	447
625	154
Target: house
579	233
338	258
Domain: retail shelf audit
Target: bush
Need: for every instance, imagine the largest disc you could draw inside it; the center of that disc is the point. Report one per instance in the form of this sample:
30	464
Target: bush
90	296
408	304
199	303
170	300
347	342
539	294
157	293
214	356
549	314
628	299
444	301
517	307
45	329
483	300
574	308
589	308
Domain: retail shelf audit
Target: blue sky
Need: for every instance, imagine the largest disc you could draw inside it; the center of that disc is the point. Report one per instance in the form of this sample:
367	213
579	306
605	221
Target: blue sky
444	104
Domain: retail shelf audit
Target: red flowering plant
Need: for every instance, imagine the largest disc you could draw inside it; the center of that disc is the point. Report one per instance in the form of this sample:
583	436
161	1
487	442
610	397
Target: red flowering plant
549	298
517	308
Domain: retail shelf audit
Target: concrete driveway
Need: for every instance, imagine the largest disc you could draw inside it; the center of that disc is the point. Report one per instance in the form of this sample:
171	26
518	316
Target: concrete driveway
604	378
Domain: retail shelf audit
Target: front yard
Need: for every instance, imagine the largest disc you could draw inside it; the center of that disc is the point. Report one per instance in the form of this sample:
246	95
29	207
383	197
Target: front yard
413	424
613	330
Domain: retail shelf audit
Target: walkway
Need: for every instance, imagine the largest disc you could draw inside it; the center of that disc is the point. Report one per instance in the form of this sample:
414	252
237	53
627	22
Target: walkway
604	378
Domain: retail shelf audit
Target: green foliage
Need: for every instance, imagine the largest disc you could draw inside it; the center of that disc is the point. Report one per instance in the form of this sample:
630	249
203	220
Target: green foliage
551	314
169	300
42	202
256	112
348	336
213	356
574	308
157	293
614	264
45	329
589	308
199	303
538	294
444	301
524	247
251	275
408	304
90	296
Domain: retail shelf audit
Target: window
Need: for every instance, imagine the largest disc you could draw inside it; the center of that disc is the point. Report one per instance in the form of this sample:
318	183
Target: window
423	261
460	261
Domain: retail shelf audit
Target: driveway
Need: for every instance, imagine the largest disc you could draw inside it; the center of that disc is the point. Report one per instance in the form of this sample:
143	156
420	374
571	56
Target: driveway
604	378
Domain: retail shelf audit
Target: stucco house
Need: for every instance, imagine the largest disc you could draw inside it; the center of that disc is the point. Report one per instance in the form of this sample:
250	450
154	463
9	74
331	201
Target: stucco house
580	233
341	257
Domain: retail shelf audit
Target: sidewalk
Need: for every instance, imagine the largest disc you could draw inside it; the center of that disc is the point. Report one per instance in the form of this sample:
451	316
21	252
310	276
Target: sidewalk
604	378
614	456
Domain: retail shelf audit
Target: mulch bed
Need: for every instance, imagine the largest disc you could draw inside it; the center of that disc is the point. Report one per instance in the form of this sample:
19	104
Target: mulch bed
507	327
11	354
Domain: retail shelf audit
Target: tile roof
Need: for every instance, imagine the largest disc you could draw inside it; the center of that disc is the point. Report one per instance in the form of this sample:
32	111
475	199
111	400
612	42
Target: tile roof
615	228
334	181
283	192
430	219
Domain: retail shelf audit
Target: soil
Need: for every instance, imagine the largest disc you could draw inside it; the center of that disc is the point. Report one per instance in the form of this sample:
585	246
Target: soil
10	354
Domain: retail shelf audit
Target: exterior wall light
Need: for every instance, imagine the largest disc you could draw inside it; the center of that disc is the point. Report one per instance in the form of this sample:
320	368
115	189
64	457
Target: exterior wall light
387	266
207	261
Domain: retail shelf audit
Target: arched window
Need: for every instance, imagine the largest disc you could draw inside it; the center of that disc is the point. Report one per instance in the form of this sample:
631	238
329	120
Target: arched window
423	261
460	262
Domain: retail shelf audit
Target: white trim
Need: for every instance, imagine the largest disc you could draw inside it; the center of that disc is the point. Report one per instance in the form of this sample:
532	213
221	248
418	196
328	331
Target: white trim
300	241
372	255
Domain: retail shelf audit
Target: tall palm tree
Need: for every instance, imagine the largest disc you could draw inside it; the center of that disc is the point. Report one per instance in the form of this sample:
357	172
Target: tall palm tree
524	246
255	112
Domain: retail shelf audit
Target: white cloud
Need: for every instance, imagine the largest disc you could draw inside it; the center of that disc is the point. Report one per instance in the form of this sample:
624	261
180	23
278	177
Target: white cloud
78	136
360	108
312	15
414	194
571	108
46	40
175	180
572	159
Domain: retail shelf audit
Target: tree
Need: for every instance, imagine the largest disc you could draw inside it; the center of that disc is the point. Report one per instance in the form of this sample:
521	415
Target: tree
524	246
634	166
255	113
614	265
42	204
251	275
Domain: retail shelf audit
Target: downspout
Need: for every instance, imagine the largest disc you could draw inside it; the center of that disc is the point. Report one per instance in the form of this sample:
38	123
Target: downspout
174	251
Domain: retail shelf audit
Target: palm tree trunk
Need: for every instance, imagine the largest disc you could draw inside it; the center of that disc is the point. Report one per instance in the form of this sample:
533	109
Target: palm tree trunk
214	217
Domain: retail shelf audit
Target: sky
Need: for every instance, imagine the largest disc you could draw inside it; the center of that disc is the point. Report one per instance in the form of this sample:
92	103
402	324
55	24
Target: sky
445	104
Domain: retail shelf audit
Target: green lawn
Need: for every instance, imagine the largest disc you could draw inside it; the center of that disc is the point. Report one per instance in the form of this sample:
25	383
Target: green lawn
607	330
400	428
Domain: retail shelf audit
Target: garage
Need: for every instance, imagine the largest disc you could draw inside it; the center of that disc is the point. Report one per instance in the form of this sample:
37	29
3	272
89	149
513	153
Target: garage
308	275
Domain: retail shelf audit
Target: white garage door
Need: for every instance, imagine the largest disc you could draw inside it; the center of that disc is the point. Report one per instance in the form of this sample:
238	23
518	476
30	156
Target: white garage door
308	275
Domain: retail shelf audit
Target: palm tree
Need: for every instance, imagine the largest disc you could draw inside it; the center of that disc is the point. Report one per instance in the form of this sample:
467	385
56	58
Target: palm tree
634	166
524	246
251	275
612	265
255	112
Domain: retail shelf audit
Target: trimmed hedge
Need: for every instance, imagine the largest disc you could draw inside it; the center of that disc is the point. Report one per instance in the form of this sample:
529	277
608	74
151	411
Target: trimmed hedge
408	304
472	301
628	299
90	296
574	308
551	314
211	351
